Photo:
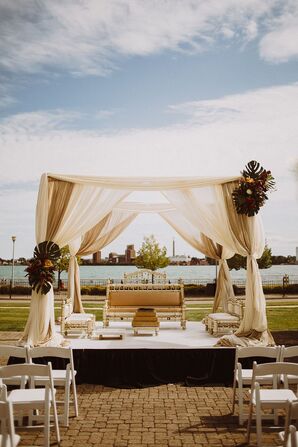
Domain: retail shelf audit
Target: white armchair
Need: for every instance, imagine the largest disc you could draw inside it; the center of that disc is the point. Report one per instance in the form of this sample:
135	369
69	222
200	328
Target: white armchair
71	321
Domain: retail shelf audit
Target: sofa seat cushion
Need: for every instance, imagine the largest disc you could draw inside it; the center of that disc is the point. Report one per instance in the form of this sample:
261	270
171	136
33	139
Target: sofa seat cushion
80	317
223	316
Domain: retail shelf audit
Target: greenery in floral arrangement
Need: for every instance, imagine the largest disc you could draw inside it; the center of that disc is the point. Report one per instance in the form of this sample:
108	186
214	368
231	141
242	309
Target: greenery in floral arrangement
250	195
41	268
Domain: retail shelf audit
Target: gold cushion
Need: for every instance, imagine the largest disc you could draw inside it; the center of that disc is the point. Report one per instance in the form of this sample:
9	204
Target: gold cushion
144	298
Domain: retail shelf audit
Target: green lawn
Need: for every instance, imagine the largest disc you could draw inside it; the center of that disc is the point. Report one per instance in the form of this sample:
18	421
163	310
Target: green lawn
13	316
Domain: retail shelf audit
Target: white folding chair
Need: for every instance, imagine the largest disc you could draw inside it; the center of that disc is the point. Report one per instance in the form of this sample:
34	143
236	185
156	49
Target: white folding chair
8	437
33	399
293	437
273	398
285	354
243	376
62	377
21	353
290	436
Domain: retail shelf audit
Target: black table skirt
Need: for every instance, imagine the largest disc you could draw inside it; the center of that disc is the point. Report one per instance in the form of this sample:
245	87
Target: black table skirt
137	368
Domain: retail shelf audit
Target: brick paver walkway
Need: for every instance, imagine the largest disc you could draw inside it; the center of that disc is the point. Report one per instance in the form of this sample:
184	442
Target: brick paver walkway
164	416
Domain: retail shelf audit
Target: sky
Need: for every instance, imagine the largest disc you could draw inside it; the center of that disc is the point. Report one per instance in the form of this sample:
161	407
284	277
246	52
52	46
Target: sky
153	88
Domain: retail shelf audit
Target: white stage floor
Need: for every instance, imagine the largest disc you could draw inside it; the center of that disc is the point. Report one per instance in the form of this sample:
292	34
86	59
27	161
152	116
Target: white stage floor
170	336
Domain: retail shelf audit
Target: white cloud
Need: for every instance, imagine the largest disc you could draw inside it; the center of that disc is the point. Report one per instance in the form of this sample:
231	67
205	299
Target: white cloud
281	41
34	123
256	124
6	99
104	114
261	126
88	36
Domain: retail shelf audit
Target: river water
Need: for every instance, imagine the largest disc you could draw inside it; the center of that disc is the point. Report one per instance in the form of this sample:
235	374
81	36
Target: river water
195	273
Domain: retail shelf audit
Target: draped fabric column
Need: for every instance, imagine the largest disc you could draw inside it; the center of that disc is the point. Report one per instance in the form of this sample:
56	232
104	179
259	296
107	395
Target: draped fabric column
74	283
249	241
94	240
65	211
202	243
213	213
224	286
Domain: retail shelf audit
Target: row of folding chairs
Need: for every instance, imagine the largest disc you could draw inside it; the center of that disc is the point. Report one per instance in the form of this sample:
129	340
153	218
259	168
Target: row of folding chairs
36	385
276	375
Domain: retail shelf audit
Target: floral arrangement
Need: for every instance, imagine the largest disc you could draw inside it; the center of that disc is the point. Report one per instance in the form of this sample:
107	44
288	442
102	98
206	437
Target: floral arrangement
250	194
41	268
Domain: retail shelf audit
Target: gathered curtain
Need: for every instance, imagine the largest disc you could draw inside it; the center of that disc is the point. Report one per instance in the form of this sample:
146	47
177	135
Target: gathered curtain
213	212
64	212
248	235
102	234
201	242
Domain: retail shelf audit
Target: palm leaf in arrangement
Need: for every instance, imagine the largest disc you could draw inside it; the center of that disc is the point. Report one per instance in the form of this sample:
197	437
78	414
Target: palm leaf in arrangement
41	268
253	169
47	250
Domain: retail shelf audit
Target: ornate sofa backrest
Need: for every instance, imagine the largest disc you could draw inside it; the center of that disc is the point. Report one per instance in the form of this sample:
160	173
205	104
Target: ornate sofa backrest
145	276
151	295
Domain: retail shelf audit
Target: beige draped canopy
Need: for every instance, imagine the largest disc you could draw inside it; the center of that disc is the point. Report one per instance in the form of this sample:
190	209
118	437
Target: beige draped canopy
88	213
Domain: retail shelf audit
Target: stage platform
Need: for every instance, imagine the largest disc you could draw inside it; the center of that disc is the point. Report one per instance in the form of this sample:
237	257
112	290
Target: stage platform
173	356
170	336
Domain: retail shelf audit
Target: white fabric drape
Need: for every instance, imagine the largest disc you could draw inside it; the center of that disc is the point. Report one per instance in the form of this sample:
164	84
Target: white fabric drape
143	183
211	210
65	211
224	286
249	238
41	331
102	234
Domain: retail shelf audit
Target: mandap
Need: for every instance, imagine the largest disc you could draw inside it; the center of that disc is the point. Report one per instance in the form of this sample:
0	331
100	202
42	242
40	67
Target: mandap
87	213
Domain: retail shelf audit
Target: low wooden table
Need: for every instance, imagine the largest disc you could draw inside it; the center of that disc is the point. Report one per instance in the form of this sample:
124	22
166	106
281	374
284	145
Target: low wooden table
145	319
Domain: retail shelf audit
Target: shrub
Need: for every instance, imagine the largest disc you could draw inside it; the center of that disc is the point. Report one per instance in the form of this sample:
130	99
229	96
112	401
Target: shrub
93	290
16	290
194	290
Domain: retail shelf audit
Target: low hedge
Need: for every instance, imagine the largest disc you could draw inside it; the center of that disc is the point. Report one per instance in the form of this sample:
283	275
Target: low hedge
93	290
194	290
16	290
190	290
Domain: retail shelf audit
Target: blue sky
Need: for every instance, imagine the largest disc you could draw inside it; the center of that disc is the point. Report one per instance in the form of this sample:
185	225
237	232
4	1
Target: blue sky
123	87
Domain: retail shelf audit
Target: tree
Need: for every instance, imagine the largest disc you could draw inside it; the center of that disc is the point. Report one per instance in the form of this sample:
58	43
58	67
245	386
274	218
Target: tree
62	263
151	256
238	262
265	260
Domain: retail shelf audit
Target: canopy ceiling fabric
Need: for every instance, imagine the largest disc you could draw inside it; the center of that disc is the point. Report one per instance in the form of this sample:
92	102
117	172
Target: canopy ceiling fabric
87	213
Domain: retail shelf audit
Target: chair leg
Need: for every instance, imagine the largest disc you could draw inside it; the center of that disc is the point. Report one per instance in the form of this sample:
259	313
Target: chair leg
240	404
56	418
47	421
234	396
75	397
249	421
66	404
259	426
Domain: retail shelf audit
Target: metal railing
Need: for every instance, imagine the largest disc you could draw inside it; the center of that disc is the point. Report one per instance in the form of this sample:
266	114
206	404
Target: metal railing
269	281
